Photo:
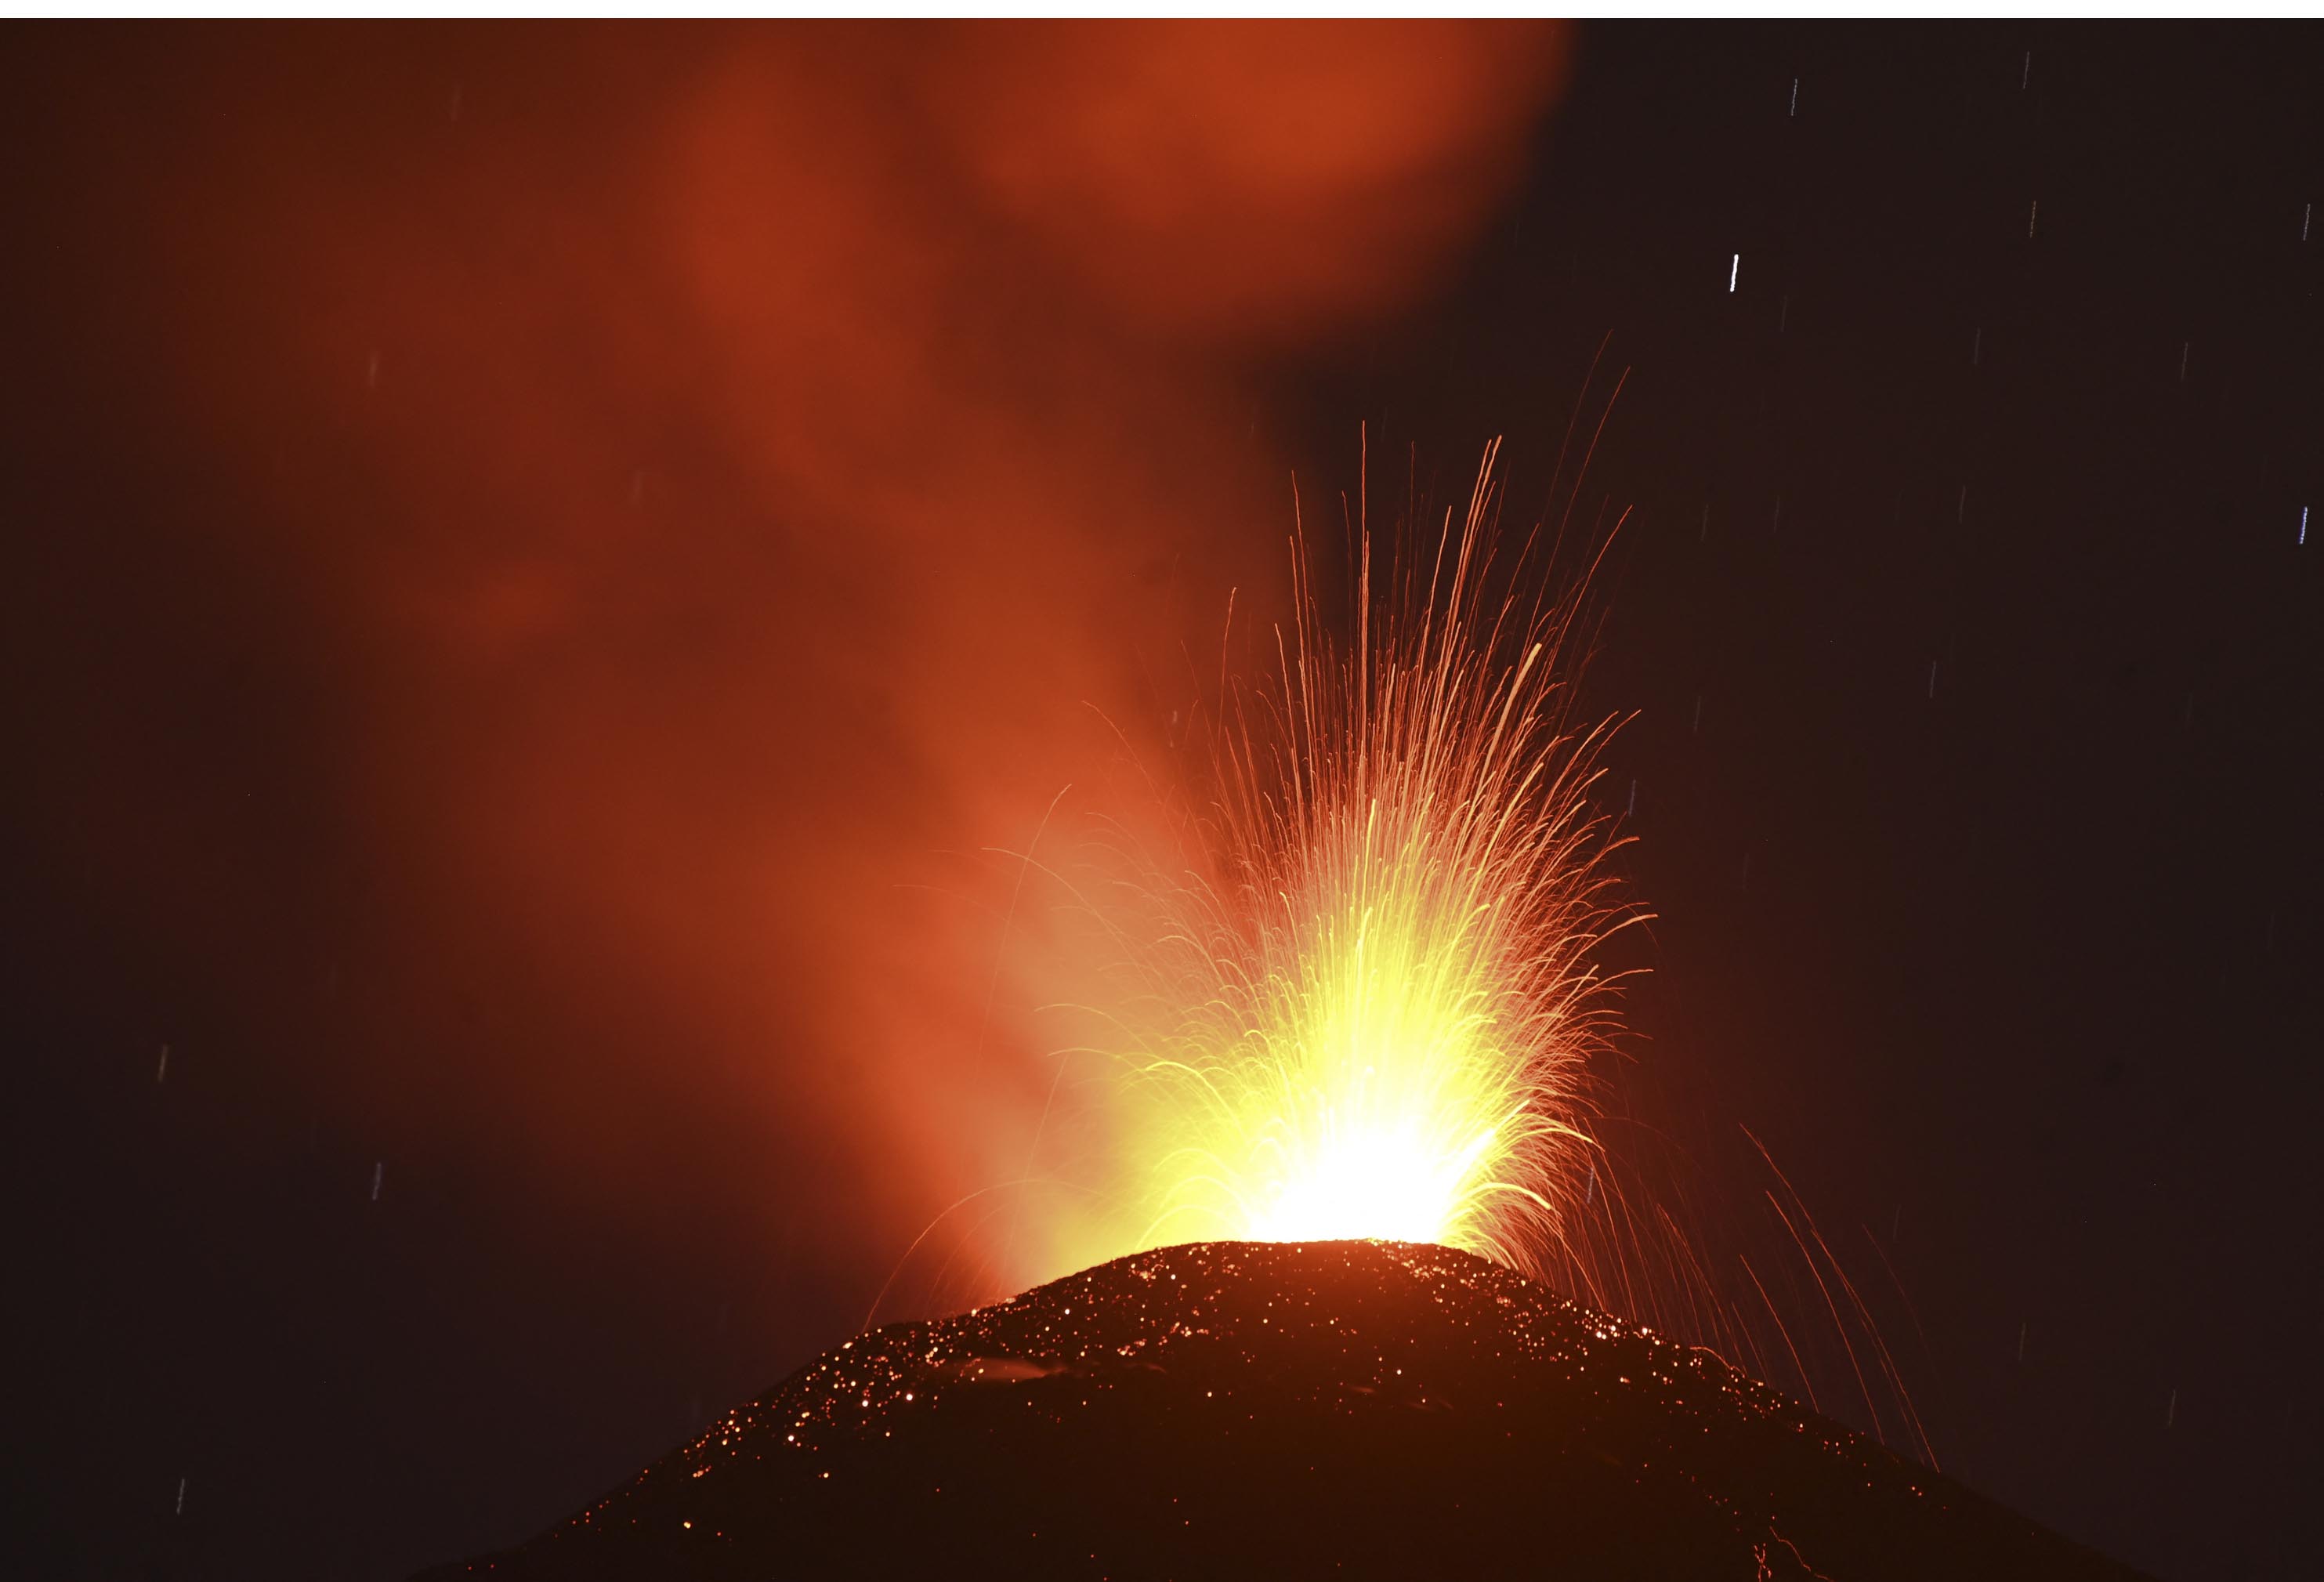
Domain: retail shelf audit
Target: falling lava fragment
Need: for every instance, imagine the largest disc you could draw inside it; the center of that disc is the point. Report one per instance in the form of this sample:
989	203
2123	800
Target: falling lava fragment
1284	1410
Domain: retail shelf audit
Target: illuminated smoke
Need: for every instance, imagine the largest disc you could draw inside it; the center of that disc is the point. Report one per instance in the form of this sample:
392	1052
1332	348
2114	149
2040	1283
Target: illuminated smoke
654	494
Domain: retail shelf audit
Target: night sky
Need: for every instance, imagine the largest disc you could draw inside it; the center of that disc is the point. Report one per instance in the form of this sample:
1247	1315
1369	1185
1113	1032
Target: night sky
539	559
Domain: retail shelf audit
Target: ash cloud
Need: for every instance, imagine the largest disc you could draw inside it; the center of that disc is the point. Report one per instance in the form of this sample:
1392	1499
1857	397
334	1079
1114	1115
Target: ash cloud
583	537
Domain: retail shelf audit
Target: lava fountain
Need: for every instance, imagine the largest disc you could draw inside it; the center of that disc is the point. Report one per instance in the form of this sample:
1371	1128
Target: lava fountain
1382	997
1376	1010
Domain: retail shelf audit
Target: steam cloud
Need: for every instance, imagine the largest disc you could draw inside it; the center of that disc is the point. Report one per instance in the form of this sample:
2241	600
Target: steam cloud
610	523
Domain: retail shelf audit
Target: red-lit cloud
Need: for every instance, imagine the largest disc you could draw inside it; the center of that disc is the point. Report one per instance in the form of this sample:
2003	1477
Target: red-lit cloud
703	488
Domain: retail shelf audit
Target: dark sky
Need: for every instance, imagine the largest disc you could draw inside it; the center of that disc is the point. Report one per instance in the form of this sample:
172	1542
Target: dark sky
504	617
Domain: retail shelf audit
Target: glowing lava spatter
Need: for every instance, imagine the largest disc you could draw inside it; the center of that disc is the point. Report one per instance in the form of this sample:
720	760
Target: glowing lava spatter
1386	992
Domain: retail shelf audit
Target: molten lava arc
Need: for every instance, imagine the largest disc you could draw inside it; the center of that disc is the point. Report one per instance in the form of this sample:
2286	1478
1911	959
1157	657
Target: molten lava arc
1386	998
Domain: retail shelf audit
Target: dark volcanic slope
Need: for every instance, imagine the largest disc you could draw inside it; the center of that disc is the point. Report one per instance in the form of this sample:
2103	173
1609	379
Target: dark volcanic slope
1255	1409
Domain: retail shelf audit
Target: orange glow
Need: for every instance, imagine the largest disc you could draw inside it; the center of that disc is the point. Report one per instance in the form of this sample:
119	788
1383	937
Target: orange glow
679	490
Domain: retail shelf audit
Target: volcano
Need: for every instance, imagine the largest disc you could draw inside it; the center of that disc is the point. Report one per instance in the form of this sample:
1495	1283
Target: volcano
1233	1410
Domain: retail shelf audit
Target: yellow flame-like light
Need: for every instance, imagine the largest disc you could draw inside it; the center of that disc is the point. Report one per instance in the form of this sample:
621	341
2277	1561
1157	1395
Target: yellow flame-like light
1384	997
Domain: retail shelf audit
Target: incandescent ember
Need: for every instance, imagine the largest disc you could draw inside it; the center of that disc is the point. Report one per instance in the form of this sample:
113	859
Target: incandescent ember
1283	1409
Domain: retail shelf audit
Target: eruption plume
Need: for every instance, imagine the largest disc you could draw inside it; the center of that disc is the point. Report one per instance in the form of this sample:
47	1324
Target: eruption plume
1387	994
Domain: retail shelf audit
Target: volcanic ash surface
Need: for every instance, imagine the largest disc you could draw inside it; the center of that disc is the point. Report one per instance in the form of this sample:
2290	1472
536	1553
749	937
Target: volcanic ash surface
1271	1410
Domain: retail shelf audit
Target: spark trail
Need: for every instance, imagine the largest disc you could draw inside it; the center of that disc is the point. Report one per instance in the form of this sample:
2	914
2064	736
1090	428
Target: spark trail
1385	997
